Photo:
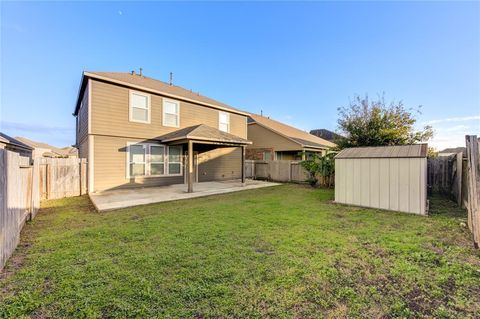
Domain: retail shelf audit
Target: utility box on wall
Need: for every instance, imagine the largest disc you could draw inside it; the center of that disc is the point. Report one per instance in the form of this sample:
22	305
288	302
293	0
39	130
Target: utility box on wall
385	177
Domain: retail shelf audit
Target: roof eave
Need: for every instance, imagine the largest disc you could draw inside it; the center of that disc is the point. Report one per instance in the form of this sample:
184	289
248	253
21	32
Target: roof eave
199	138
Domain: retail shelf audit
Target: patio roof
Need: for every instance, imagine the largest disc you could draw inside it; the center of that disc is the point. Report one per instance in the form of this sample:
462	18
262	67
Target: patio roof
201	133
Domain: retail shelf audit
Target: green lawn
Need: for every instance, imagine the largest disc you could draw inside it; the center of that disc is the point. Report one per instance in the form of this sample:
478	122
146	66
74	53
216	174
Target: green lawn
279	252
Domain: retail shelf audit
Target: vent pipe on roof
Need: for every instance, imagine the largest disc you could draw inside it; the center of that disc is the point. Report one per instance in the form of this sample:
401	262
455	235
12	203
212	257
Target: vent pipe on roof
141	74
261	112
171	78
133	72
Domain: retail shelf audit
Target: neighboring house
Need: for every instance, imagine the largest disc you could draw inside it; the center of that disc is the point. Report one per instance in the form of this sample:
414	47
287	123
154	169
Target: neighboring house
12	144
45	150
452	151
69	151
326	134
272	140
138	131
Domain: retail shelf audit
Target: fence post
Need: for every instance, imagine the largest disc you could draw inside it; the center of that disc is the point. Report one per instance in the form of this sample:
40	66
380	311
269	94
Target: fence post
473	187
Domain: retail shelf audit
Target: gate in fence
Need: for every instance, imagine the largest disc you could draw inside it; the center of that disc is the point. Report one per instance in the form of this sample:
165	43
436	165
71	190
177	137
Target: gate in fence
62	177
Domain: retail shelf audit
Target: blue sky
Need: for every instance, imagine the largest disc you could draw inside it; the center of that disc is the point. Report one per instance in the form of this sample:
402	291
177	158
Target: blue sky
297	62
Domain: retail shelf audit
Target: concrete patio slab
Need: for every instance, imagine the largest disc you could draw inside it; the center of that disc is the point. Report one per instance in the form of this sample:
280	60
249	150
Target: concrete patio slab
115	199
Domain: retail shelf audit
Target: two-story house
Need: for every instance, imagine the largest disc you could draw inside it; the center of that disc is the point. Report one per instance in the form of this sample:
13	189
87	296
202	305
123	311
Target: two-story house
138	131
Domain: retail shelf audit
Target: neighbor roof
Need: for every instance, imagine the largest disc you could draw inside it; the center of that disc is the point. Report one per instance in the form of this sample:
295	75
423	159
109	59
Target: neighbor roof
301	137
4	138
144	83
203	132
398	151
54	150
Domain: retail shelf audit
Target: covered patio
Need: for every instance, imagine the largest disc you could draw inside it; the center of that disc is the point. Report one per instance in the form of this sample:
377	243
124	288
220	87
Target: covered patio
122	198
202	138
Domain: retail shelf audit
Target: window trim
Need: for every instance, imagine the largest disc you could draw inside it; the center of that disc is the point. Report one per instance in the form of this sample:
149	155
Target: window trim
130	107
219	121
150	160
163	112
167	161
146	147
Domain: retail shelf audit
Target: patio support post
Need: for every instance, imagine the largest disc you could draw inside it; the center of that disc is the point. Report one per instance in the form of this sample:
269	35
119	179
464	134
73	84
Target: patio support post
190	167
243	165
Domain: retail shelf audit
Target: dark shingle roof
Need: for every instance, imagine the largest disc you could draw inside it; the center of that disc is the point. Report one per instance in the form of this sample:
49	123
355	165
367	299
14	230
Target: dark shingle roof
202	132
148	83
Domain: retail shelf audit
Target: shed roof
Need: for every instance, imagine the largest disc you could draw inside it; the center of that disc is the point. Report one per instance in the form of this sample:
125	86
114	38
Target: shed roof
205	133
397	151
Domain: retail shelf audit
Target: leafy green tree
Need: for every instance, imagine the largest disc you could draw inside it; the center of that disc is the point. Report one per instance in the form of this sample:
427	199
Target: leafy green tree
374	123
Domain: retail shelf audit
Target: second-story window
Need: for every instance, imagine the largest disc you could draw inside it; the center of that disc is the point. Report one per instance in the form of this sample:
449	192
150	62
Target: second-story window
139	107
171	113
224	121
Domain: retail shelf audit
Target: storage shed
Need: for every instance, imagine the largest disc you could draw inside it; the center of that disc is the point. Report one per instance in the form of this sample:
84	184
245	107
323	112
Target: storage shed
386	177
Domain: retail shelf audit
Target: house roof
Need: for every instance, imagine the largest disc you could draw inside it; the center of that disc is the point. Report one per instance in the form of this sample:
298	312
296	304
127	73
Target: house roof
298	136
398	151
145	83
54	151
205	133
4	138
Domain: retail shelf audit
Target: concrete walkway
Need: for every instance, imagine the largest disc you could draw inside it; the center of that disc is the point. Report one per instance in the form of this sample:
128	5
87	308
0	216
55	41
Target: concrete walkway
115	199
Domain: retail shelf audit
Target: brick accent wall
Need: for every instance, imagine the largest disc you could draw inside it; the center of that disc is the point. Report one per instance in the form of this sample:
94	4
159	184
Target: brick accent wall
257	153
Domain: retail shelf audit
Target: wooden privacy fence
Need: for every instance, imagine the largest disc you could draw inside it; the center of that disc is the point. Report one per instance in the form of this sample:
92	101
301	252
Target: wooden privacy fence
23	185
62	177
19	199
280	171
445	176
473	189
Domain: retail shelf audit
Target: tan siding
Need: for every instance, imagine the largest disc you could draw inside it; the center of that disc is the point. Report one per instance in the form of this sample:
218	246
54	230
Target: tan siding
220	164
264	138
83	149
82	129
110	115
110	166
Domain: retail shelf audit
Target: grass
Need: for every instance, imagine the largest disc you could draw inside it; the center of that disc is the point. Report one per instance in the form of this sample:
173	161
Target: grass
278	252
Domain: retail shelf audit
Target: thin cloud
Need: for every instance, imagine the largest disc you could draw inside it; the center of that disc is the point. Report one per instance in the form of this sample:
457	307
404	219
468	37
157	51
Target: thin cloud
35	128
454	119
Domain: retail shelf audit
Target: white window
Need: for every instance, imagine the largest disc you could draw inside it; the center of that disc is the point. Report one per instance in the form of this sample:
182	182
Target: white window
224	121
174	160
157	160
153	160
137	154
171	113
267	155
139	107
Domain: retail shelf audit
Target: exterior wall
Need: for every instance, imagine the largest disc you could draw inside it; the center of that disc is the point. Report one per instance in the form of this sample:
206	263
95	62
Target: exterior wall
111	129
220	164
257	153
82	118
110	166
110	115
397	184
83	149
264	138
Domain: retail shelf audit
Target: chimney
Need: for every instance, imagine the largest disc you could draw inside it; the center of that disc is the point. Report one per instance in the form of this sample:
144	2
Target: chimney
261	112
132	72
141	74
171	78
